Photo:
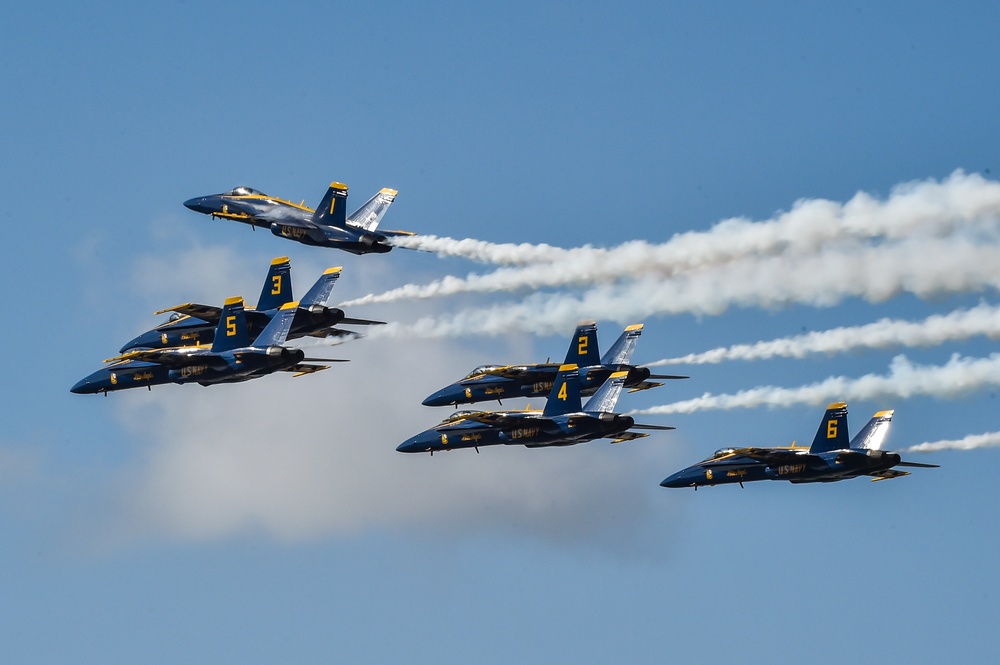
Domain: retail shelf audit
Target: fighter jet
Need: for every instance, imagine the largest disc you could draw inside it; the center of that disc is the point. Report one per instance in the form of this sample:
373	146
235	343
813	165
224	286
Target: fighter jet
327	226
230	359
830	458
563	422
193	324
489	382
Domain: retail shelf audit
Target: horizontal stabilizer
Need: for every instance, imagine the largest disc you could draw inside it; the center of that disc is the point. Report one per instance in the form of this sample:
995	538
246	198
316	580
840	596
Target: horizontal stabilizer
645	385
657	427
361	322
628	436
888	474
920	465
326	360
333	332
668	376
302	369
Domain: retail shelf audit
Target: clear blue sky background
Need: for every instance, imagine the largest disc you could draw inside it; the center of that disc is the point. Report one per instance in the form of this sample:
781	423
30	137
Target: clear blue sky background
273	521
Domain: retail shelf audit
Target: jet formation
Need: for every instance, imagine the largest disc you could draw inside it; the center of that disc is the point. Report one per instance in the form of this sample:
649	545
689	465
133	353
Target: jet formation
563	422
231	358
208	344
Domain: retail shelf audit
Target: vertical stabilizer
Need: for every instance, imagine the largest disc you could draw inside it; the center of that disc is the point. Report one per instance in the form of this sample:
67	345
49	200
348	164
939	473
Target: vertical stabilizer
277	289
231	332
332	210
320	291
873	434
620	352
606	397
583	350
565	394
369	215
832	433
277	329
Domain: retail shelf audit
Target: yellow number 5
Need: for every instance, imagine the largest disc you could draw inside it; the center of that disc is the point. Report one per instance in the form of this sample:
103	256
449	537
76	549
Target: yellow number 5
230	326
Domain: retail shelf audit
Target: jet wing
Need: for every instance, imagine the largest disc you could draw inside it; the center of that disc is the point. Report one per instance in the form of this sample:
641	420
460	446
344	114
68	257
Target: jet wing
280	217
208	313
516	371
769	456
179	357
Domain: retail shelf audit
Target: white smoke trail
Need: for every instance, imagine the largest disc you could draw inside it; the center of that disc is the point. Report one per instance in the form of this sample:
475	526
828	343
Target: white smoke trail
481	250
928	208
971	442
885	333
922	266
904	380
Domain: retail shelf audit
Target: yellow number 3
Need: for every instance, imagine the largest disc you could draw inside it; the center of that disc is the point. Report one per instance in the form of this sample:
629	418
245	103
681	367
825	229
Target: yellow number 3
276	289
230	326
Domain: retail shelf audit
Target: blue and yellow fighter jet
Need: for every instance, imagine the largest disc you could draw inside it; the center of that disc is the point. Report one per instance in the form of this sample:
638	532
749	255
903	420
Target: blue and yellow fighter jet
231	358
327	226
563	422
830	458
193	324
489	382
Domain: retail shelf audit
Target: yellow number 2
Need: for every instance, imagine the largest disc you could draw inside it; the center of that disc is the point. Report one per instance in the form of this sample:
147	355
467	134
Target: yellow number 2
230	326
582	346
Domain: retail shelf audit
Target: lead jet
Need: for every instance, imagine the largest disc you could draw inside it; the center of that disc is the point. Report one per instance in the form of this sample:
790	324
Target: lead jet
193	324
327	226
231	358
831	457
489	382
563	422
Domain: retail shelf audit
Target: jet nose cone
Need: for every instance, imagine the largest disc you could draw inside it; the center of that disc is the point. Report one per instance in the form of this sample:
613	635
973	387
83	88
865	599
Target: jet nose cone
202	204
408	446
143	341
82	387
676	480
443	397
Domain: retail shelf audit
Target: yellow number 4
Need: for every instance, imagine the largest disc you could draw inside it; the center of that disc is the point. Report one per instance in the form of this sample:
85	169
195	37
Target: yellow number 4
562	392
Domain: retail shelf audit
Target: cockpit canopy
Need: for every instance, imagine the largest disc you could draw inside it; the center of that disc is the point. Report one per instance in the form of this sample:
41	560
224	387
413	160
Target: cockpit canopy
245	191
459	415
483	369
722	452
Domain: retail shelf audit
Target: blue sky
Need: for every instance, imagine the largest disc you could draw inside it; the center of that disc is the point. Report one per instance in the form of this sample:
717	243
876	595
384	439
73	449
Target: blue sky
274	520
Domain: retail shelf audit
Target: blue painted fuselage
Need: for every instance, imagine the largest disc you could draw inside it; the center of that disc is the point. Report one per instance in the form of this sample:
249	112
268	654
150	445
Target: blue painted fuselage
811	468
